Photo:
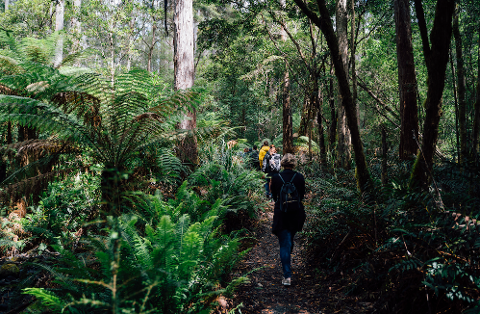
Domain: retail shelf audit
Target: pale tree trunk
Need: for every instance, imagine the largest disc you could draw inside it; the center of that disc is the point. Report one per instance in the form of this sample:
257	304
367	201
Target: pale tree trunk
76	26
131	24
460	89
6	5
476	119
112	60
59	24
436	59
343	145
184	71
407	81
364	183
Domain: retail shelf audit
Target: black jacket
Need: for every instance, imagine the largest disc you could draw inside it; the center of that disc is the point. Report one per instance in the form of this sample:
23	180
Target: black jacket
292	221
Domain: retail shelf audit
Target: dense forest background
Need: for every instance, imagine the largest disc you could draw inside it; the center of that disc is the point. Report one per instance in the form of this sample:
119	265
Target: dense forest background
125	185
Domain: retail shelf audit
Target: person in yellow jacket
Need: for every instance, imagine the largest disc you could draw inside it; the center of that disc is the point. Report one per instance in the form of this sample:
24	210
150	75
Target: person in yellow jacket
265	148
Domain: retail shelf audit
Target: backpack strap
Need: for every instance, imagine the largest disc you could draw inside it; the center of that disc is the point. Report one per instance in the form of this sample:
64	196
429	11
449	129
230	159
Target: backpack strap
281	178
291	180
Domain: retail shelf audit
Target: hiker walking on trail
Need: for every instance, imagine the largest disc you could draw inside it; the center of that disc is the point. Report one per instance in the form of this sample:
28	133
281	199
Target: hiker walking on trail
264	151
254	162
261	155
270	167
288	191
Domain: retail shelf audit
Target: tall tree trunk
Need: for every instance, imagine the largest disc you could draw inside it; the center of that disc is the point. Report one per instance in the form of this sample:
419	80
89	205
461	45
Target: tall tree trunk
324	22
436	59
407	81
151	48
476	119
321	134
353	62
131	25
455	98
343	145
332	134
287	115
59	24
184	71
287	109
6	5
76	27
460	89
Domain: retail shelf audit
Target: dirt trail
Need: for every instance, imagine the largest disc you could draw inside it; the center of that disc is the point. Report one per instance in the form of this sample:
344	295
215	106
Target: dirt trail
265	294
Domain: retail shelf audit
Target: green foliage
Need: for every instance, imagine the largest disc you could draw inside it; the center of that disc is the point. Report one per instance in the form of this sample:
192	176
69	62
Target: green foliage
174	266
63	209
237	188
114	122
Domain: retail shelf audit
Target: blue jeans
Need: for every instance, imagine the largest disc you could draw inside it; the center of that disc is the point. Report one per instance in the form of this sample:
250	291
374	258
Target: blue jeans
285	237
267	189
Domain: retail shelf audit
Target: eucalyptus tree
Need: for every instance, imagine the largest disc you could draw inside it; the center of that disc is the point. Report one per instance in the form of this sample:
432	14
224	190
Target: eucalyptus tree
184	68
59	24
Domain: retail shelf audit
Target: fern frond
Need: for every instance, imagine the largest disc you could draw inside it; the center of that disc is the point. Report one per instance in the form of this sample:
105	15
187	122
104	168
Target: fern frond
47	298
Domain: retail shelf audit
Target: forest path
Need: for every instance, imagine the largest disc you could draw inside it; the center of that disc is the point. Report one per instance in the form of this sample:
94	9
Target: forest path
265	293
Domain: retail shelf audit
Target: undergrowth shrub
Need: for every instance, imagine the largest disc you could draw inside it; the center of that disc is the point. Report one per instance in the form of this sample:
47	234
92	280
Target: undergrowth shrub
174	265
409	251
238	188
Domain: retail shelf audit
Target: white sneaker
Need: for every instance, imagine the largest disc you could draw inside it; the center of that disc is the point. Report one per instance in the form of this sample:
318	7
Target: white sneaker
287	281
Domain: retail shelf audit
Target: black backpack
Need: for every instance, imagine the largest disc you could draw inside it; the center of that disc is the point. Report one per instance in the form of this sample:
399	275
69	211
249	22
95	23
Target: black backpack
254	159
288	198
266	163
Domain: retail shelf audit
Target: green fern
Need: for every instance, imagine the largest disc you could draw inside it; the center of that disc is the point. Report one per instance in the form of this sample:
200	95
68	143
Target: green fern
173	267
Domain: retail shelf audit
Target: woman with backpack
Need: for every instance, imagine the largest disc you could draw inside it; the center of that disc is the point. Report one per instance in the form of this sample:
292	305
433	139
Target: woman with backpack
288	191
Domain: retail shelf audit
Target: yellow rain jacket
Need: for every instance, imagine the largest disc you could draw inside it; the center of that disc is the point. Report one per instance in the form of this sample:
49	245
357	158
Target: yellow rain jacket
262	154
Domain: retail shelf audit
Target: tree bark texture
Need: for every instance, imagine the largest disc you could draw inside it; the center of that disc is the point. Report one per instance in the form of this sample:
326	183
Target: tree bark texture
59	24
324	22
76	27
151	48
321	134
436	59
344	141
287	115
353	61
407	81
460	89
184	72
332	134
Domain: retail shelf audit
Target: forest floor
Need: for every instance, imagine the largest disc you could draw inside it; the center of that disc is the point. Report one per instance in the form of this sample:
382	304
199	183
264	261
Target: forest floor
311	292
